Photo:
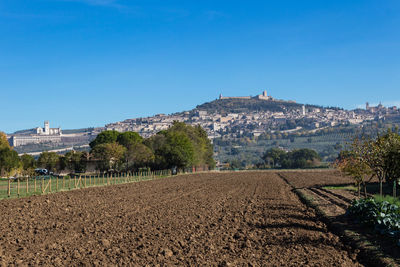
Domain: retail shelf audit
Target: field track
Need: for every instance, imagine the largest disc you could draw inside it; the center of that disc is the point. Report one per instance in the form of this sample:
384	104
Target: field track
225	219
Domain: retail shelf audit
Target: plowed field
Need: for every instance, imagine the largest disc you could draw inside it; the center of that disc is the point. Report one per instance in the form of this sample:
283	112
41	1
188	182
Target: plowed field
226	219
307	178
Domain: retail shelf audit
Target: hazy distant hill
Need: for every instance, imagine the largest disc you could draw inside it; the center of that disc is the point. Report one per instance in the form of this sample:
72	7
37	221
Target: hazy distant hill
27	131
247	105
245	138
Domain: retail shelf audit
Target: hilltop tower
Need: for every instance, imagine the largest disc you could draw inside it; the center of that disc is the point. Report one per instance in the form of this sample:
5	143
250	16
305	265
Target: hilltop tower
367	106
265	93
264	96
46	128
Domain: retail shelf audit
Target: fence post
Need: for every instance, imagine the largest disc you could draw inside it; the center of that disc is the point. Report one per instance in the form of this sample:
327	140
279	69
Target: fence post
18	187
57	184
42	184
34	190
27	185
50	185
9	187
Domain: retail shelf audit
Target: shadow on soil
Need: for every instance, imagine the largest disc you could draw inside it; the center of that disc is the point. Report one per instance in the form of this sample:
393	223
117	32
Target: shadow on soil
288	225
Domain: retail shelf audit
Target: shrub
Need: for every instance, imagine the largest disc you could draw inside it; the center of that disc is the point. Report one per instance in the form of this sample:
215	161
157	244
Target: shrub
382	215
390	199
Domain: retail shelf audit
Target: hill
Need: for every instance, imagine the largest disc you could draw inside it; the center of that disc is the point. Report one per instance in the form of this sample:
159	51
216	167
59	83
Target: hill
237	105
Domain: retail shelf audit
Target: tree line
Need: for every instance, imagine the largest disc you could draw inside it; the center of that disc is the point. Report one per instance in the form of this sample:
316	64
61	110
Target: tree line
295	159
367	158
181	146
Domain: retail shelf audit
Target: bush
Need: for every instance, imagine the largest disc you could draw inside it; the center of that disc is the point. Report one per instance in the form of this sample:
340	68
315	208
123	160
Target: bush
390	199
382	215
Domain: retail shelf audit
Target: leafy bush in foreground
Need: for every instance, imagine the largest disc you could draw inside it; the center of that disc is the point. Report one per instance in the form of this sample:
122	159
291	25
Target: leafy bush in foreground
390	199
383	216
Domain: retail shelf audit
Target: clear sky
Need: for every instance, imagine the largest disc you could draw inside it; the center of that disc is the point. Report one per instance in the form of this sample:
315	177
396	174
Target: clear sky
83	63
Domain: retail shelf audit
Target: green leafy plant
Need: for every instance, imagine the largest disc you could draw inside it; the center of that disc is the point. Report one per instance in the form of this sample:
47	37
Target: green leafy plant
382	215
390	199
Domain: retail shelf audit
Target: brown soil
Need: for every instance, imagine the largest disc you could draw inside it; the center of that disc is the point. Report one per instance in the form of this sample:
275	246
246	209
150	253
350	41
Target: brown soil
226	219
333	203
301	179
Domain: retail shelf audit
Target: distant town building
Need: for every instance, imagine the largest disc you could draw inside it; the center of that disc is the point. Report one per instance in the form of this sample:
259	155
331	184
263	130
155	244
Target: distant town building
234	124
38	136
234	97
263	96
378	108
47	130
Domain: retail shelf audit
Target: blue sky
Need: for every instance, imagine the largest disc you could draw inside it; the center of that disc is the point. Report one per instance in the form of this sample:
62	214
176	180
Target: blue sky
83	63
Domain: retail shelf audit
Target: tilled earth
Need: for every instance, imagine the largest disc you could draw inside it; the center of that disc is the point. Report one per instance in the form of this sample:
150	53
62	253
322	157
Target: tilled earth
226	219
313	178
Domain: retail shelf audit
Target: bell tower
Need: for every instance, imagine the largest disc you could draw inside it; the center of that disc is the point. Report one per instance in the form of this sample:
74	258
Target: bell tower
46	128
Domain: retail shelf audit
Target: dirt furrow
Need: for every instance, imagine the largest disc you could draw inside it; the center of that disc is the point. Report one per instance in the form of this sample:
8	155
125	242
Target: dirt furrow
217	219
330	197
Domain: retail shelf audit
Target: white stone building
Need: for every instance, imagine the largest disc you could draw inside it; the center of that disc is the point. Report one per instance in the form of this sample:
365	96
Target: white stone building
41	135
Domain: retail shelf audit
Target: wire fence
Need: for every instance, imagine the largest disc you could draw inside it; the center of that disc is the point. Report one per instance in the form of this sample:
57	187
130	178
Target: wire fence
39	185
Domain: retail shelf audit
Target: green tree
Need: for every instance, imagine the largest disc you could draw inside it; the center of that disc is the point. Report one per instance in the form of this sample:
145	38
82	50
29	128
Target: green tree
274	156
301	158
76	161
178	150
108	156
202	146
49	161
379	155
198	146
137	156
105	137
392	156
392	161
28	164
157	144
127	139
3	141
235	164
9	162
351	163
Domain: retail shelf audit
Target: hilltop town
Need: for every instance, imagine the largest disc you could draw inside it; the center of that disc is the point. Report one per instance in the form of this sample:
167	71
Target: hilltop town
223	116
261	117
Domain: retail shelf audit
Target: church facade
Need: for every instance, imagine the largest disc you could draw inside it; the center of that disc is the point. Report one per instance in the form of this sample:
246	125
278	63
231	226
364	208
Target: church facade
39	135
